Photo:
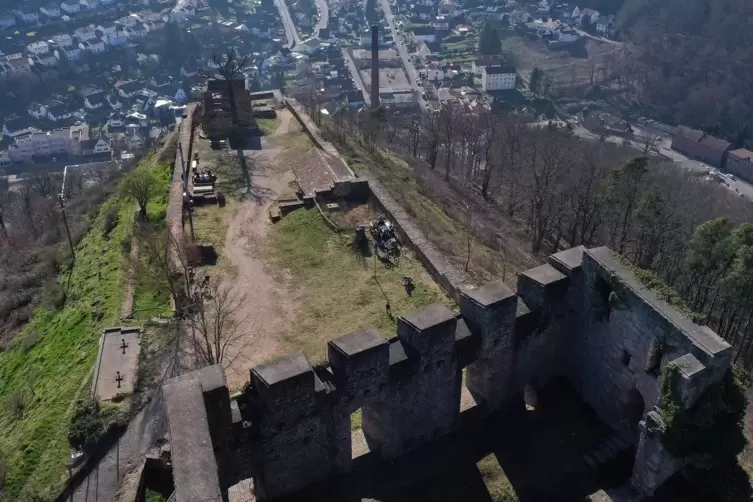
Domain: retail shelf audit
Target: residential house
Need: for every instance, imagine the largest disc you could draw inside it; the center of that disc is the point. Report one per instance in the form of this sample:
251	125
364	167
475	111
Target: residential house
426	3
22	150
575	14
17	65
18	126
79	133
138	30
424	34
449	11
89	4
434	73
60	111
115	38
95	100
106	30
740	163
96	146
605	25
37	110
588	16
700	145
354	99
173	92
62	41
51	143
70	6
338	84
129	88
543	7
85	33
498	78
37	48
93	46
26	15
51	10
7	20
5	160
72	53
421	12
135	141
478	65
440	23
427	49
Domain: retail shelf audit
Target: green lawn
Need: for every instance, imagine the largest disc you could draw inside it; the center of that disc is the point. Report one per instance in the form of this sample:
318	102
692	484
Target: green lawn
338	292
48	376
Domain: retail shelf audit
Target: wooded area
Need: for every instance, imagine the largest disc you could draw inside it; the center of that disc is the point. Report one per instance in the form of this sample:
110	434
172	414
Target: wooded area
689	62
558	191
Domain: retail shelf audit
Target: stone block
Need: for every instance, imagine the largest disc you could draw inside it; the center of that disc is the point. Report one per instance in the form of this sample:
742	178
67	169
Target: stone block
430	329
569	261
543	289
360	363
693	379
285	379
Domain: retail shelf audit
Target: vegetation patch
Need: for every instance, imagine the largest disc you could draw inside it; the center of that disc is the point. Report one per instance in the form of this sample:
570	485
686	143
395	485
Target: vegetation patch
499	487
338	291
712	430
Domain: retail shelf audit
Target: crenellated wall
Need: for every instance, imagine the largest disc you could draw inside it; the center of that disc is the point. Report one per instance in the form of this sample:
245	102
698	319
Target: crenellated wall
582	316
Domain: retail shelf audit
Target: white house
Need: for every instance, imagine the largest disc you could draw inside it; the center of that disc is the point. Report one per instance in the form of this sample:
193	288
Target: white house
478	65
138	30
89	4
118	37
73	53
110	29
589	16
37	110
440	23
93	46
85	33
7	21
37	48
26	15
424	34
95	100
60	111
70	6
498	78
101	145
434	73
50	10
575	14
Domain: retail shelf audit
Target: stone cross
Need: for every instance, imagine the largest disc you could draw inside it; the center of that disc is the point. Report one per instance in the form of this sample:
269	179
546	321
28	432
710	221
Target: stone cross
123	346
119	378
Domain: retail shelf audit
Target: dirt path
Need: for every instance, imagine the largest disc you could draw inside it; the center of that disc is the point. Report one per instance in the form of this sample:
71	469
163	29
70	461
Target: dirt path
268	306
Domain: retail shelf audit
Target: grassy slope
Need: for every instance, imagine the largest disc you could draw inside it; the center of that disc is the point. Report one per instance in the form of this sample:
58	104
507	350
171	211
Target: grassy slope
56	370
338	293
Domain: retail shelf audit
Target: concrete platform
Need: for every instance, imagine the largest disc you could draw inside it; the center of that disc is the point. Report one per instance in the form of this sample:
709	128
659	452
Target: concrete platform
117	364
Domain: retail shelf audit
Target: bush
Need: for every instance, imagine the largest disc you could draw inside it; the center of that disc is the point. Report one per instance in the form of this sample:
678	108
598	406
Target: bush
125	245
15	406
110	221
54	296
86	425
29	341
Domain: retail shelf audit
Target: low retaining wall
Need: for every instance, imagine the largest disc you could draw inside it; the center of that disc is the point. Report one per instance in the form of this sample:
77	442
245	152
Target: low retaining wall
447	275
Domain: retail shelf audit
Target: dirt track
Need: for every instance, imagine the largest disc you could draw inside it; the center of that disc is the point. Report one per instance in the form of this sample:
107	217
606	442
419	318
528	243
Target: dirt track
268	306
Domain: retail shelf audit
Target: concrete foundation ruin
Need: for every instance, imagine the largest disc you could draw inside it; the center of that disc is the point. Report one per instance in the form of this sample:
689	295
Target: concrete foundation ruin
583	316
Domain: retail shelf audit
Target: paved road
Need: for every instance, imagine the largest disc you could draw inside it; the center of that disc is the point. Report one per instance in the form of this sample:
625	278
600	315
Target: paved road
357	77
290	32
410	70
323	16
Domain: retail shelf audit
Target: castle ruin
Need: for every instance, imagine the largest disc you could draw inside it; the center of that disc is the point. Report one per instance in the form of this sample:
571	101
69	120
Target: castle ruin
583	316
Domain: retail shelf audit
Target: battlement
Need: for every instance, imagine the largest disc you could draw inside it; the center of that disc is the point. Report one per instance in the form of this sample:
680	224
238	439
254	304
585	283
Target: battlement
582	316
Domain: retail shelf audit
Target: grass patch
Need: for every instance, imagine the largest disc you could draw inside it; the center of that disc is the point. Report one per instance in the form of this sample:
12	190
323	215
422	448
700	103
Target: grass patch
338	292
267	126
499	487
57	369
210	223
355	419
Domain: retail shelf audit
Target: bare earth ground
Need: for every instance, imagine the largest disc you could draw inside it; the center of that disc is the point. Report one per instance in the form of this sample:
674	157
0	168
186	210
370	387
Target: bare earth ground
269	307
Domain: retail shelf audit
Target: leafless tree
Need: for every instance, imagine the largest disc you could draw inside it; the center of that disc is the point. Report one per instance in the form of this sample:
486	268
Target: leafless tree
219	328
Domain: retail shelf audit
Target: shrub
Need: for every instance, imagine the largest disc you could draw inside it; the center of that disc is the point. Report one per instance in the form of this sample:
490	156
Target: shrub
29	341
54	296
125	245
86	425
110	221
15	406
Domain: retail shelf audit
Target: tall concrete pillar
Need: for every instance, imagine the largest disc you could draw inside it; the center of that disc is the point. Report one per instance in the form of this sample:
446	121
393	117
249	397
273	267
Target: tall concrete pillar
374	67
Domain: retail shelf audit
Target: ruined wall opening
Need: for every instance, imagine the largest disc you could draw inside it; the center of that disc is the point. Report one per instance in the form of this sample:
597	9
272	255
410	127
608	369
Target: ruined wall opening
530	397
633	408
358	446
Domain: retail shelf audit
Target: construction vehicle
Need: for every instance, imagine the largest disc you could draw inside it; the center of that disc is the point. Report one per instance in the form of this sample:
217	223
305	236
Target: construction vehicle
386	245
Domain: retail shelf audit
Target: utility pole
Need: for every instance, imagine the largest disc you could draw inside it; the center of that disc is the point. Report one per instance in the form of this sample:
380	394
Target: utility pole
61	202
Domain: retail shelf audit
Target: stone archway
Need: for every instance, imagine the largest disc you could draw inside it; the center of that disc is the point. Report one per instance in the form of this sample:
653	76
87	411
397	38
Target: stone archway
633	408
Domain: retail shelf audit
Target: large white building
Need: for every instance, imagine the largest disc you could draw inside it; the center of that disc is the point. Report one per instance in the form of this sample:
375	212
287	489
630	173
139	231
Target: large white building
498	78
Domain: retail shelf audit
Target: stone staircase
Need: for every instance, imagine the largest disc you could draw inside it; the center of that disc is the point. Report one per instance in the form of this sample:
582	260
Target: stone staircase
610	448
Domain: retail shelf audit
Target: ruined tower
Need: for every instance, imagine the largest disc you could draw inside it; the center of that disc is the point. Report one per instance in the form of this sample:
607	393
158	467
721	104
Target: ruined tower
374	67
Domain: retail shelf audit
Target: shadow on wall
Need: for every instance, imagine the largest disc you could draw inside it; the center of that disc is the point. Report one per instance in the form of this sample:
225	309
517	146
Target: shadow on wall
530	456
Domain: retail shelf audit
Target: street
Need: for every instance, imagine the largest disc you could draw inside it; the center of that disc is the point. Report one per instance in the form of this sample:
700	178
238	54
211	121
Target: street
290	32
323	16
410	70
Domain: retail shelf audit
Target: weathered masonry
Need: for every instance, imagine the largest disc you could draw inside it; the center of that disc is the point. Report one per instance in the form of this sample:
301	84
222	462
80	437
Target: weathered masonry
583	316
